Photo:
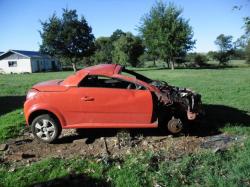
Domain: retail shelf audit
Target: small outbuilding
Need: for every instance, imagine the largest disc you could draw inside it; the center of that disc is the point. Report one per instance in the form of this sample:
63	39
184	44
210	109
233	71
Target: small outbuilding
19	61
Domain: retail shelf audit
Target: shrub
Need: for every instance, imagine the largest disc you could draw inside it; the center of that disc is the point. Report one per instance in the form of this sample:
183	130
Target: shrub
247	52
200	59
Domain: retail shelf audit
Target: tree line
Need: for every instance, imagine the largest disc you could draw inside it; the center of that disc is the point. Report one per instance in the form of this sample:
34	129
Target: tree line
164	34
228	49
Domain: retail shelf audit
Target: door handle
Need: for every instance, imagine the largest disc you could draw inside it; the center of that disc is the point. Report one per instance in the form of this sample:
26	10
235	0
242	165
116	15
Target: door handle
87	98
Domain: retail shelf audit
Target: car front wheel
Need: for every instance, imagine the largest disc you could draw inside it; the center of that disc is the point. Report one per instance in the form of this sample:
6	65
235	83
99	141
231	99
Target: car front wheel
46	128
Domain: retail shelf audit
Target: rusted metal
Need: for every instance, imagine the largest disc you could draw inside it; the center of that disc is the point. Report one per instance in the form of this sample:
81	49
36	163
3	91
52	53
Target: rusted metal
175	125
191	115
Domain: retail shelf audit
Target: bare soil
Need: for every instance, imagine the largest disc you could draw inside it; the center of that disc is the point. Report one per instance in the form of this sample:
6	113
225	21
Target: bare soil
102	142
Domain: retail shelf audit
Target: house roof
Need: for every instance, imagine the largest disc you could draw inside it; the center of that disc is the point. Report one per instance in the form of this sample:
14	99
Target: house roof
28	54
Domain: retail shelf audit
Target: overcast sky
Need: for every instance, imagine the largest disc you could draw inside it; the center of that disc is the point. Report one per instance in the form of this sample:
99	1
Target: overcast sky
209	18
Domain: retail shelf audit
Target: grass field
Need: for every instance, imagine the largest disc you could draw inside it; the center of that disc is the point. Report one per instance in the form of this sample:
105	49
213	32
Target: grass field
226	97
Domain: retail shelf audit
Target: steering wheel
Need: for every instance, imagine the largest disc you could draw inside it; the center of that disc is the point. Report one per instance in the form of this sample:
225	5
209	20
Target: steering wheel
134	86
130	86
138	87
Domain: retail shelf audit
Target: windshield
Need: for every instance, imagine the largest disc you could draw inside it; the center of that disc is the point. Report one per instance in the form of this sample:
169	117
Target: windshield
136	75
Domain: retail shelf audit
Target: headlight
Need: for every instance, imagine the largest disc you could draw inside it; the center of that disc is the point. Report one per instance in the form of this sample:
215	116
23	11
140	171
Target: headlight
31	93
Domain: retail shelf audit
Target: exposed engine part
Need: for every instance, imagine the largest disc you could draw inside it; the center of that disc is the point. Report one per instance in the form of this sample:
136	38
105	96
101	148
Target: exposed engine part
175	125
191	115
188	100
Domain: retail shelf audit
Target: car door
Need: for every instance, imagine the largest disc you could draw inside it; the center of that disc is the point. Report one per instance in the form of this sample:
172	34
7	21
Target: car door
112	100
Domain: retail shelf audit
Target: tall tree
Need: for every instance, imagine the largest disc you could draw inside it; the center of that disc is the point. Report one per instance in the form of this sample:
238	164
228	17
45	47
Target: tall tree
225	48
104	47
166	33
247	52
116	35
67	38
246	38
103	53
224	42
243	43
127	49
247	26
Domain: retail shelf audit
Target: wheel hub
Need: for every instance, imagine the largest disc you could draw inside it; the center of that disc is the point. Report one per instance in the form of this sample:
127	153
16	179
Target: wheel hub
175	125
45	129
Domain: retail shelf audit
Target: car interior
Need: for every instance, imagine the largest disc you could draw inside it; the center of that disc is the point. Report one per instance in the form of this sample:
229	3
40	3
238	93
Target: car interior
108	82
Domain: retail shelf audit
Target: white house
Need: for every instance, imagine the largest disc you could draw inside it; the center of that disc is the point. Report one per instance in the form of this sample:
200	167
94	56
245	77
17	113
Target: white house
17	61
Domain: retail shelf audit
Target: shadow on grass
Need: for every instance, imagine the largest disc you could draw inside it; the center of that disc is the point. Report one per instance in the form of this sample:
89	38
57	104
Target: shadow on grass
221	115
217	116
10	103
73	180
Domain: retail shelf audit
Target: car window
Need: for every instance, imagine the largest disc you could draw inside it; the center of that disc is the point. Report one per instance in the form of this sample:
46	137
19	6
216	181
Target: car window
133	74
108	82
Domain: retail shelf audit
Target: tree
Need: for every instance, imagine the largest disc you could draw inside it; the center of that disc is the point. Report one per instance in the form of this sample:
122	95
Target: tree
127	49
104	47
211	55
247	27
167	35
200	60
247	52
225	48
116	35
103	53
243	43
246	36
224	42
67	37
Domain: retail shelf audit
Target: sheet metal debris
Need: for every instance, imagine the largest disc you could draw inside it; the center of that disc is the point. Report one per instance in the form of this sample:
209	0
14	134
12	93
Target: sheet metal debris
220	142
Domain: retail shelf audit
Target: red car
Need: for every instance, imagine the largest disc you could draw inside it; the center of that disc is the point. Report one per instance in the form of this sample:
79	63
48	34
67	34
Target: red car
107	96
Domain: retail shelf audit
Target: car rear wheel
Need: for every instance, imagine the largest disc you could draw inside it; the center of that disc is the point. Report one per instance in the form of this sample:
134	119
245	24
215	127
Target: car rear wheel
46	128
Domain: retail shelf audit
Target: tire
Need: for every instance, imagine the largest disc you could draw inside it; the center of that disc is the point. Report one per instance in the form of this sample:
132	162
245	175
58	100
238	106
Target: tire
46	128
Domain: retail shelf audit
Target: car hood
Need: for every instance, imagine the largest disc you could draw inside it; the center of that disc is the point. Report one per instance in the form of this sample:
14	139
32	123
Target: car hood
50	86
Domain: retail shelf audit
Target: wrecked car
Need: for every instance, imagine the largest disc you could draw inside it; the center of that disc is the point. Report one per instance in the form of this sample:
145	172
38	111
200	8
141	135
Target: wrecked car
107	96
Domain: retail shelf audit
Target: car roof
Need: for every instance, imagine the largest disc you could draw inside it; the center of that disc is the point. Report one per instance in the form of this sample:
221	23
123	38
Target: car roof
101	69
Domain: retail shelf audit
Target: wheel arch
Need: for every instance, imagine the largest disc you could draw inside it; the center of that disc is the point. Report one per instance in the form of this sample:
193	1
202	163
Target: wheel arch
39	112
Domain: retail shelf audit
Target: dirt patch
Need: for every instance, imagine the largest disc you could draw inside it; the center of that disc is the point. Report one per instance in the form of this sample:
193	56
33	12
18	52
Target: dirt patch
108	142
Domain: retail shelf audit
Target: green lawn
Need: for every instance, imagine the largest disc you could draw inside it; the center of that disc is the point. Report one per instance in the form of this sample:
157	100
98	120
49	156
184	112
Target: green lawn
13	89
226	98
